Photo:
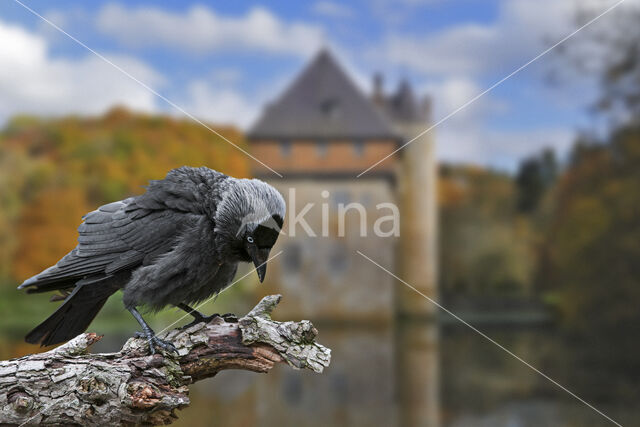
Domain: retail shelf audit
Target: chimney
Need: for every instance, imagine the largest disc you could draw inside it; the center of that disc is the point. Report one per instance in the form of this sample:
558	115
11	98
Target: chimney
426	108
378	89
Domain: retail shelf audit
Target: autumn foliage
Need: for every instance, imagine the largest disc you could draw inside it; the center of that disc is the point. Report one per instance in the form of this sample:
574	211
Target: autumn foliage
486	244
592	247
54	171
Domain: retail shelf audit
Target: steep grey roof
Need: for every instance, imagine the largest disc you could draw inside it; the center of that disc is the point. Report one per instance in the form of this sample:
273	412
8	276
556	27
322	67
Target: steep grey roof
322	103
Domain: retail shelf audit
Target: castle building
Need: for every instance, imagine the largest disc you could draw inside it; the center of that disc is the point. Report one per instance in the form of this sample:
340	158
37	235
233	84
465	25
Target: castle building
320	134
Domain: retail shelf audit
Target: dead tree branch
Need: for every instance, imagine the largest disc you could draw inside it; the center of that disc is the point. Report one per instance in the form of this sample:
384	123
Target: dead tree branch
68	386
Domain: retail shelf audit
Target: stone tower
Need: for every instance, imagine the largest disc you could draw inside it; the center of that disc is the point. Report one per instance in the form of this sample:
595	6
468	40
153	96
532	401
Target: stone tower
320	134
416	328
417	189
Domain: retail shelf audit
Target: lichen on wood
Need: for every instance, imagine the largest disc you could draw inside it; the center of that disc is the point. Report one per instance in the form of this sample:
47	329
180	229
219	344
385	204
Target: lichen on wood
294	341
68	385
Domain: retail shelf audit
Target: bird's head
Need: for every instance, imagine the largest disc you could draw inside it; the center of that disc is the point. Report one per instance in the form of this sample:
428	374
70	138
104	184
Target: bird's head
248	221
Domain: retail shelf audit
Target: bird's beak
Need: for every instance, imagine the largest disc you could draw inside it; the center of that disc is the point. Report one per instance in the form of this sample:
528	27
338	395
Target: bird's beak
260	257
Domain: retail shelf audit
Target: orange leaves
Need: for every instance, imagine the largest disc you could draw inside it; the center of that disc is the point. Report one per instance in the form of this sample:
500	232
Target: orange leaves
47	230
72	165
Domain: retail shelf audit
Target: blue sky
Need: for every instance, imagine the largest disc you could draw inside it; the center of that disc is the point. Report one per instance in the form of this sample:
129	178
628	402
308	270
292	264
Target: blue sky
222	61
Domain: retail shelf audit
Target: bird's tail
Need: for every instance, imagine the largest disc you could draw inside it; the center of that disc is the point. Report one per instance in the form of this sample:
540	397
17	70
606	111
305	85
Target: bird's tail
72	317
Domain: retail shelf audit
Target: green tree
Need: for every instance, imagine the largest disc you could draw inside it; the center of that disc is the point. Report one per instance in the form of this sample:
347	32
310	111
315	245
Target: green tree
485	245
588	261
534	177
593	245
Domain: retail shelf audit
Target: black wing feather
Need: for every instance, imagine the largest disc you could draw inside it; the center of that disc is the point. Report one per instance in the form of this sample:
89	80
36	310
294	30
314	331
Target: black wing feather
116	237
122	235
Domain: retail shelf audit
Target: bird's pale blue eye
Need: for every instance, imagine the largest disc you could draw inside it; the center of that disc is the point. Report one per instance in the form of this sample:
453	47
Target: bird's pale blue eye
249	239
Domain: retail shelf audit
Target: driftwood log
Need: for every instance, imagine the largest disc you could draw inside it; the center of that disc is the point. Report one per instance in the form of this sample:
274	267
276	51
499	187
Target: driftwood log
68	386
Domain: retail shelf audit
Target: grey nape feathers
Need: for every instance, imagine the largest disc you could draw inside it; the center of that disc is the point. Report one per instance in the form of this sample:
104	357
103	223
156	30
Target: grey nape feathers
177	244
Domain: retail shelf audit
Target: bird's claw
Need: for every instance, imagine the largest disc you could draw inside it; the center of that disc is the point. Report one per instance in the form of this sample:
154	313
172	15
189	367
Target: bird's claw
165	345
230	317
156	343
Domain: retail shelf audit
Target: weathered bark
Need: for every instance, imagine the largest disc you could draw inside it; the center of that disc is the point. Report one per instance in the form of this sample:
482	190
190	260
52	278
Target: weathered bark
68	386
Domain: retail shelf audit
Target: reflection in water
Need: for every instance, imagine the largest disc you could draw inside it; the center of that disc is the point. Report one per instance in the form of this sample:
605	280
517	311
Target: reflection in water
421	374
417	373
445	376
483	386
357	389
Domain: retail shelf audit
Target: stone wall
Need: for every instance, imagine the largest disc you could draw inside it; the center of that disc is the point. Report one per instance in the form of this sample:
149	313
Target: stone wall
323	277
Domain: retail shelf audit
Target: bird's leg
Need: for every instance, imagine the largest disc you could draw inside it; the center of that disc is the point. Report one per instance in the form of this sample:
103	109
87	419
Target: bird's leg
197	316
148	333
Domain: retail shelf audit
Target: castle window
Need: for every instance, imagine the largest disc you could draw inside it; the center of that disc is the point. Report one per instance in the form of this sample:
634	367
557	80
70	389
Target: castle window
338	260
321	148
365	199
285	148
330	108
358	147
341	197
291	258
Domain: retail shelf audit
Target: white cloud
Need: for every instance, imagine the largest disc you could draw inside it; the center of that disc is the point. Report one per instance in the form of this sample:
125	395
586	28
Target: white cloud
220	104
464	137
454	92
456	59
521	30
227	75
201	30
459	52
32	81
496	148
467	138
394	13
332	9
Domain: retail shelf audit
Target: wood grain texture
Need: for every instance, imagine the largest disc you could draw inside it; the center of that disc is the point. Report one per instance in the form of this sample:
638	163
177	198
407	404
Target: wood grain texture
68	386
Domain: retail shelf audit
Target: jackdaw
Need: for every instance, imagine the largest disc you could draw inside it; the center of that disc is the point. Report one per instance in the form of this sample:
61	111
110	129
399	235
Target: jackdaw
177	244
